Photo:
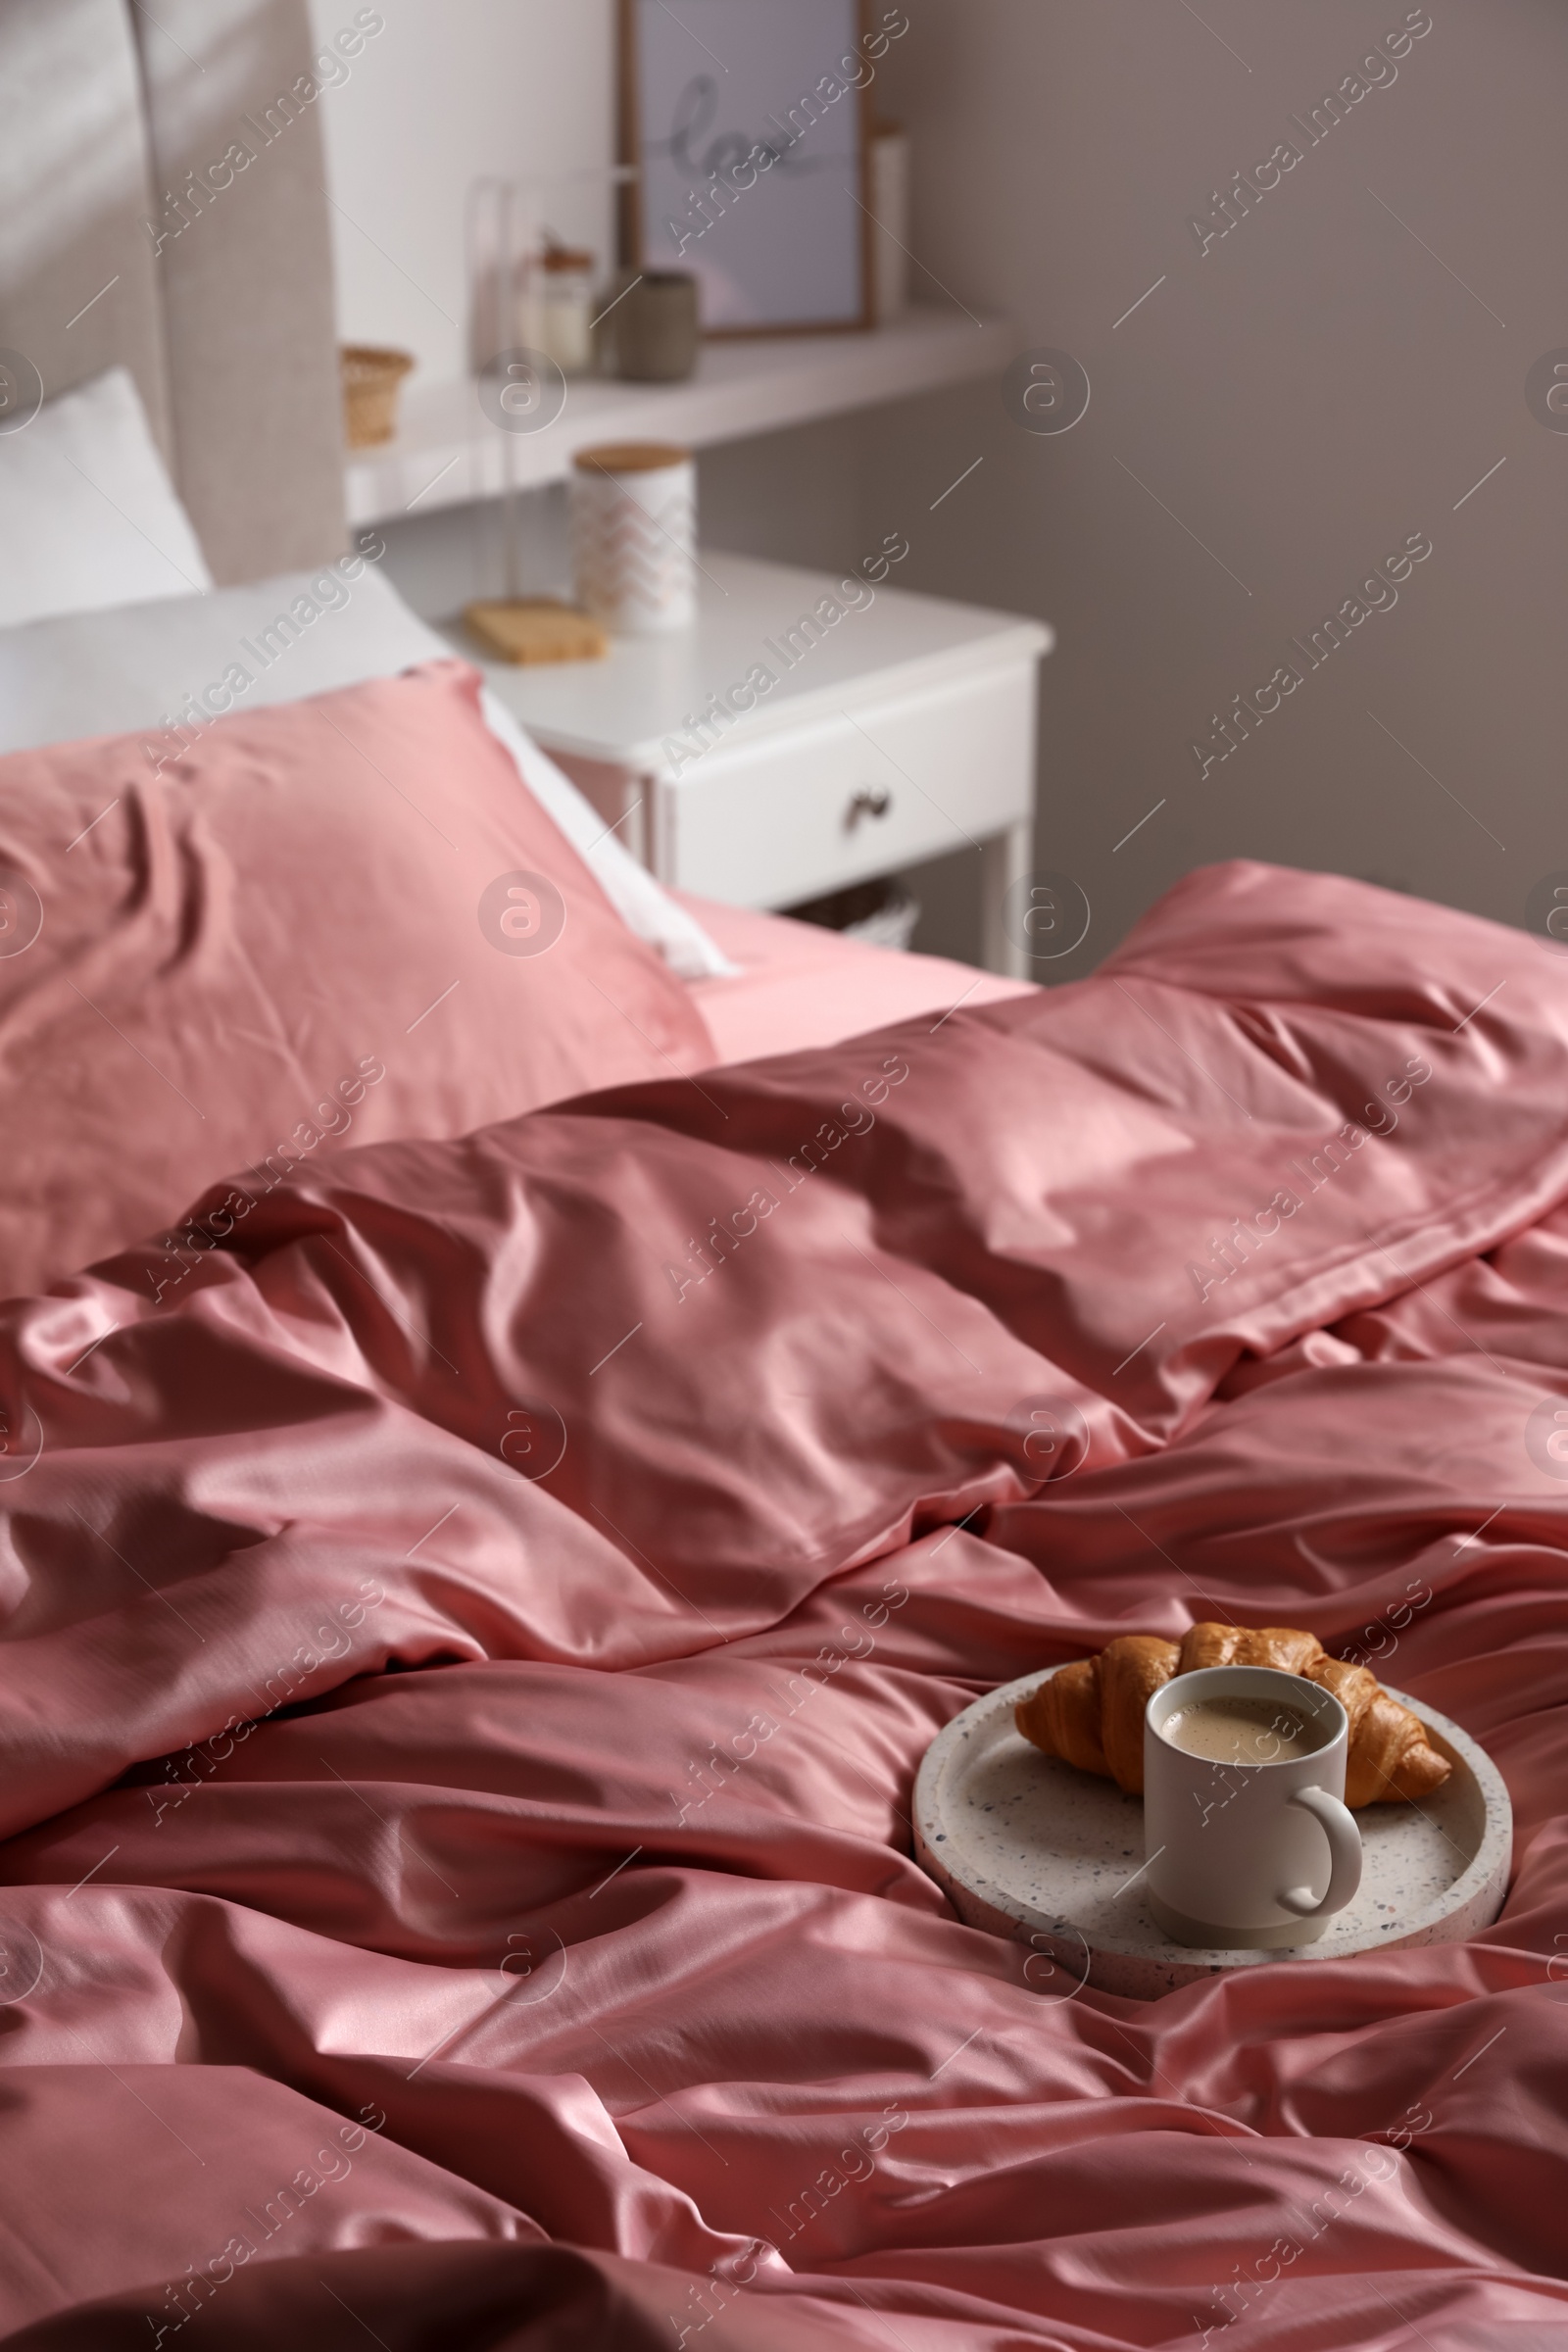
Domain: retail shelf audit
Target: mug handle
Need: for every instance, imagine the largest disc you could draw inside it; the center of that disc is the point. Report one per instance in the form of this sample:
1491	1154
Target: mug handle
1345	1855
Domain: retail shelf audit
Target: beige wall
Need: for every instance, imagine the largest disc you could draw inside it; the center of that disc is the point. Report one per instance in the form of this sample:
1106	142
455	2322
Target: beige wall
1302	395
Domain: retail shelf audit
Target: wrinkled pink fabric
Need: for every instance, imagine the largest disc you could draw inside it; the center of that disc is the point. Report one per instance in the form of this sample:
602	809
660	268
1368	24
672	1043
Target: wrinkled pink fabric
336	918
464	1671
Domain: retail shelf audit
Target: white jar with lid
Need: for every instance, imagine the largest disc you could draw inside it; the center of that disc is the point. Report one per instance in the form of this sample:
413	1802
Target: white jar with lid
563	308
634	534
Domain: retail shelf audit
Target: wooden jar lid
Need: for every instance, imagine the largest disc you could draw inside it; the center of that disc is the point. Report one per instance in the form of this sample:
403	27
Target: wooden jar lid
630	456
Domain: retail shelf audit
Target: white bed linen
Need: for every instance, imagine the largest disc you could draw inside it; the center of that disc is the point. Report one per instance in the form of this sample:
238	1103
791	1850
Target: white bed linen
88	516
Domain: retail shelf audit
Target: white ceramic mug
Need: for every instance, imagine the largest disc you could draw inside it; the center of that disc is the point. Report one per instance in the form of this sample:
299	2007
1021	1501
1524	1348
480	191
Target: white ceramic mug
1247	1856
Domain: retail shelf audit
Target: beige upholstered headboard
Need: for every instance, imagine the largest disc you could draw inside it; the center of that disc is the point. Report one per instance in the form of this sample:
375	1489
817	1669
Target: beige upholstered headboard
162	203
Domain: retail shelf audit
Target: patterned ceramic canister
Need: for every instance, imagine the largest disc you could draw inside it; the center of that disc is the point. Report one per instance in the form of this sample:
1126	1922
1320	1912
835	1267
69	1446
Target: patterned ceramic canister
635	532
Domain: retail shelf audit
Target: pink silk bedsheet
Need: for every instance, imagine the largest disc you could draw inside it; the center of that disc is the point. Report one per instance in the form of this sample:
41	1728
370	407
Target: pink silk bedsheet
799	984
470	1637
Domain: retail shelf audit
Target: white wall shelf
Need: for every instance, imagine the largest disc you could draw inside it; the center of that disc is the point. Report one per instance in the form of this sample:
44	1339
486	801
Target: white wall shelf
449	453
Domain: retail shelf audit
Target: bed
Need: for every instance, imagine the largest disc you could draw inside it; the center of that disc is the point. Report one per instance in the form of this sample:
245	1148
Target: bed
539	1451
471	1642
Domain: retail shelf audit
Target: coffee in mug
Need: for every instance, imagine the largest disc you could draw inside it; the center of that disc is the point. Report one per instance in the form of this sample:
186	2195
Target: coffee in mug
1249	1840
1235	1729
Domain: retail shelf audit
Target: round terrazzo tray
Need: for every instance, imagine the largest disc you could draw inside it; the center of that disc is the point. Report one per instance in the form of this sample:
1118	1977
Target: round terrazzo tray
1031	1847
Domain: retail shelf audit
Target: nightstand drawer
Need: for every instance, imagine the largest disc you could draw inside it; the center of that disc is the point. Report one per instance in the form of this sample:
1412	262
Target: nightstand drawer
887	783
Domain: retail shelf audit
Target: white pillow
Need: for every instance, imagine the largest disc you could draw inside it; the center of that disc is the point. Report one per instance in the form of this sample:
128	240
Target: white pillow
88	516
176	665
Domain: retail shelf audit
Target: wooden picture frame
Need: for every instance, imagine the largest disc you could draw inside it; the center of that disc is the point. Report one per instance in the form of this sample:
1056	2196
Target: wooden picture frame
775	250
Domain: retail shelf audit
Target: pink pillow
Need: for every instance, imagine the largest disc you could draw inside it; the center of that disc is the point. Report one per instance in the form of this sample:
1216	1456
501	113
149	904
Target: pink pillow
344	917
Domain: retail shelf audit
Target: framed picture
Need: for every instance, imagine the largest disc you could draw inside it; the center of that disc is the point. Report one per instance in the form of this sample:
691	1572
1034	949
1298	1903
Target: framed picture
747	124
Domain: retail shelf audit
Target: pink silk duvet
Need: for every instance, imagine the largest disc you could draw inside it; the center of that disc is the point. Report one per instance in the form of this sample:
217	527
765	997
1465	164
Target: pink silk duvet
470	1633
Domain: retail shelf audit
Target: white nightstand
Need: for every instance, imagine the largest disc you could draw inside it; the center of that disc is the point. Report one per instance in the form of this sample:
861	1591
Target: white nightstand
899	732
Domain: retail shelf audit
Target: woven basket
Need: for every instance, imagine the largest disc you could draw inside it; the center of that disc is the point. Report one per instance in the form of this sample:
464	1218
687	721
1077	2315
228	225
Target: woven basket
370	380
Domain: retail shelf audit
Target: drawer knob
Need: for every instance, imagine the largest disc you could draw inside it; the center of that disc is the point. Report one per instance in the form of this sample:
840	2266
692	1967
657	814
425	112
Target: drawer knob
866	804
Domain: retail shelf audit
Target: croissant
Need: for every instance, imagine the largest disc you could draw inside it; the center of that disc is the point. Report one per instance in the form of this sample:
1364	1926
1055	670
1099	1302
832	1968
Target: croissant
1091	1713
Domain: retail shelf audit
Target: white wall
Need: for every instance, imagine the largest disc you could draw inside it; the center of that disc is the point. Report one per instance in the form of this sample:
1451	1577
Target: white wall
452	89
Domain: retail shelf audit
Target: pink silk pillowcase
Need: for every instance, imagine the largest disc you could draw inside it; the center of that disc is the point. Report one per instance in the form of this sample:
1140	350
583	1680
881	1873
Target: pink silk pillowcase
338	917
